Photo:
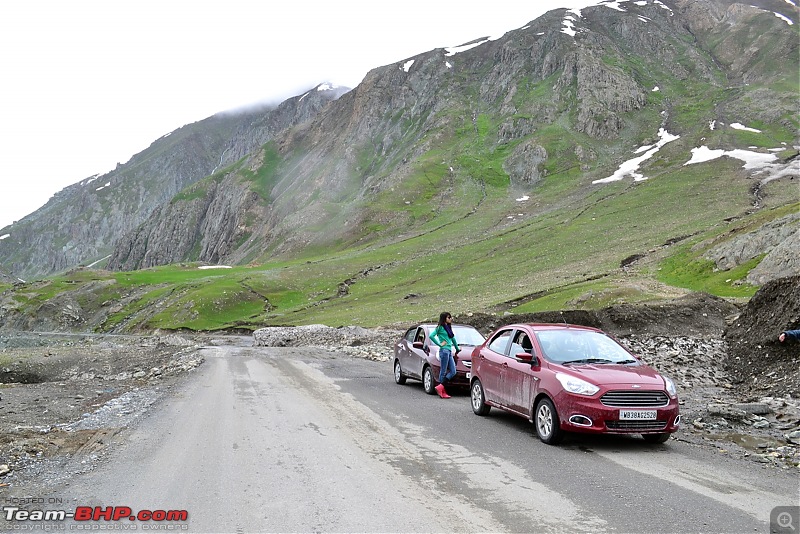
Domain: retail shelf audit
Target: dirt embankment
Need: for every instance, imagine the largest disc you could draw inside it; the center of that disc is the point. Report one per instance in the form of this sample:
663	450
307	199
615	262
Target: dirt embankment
756	360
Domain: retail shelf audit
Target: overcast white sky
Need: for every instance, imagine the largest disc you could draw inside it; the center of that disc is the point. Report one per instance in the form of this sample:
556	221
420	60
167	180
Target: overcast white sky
89	83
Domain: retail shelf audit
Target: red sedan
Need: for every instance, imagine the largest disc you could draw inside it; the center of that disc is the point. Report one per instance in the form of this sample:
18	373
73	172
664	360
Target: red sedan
571	378
417	357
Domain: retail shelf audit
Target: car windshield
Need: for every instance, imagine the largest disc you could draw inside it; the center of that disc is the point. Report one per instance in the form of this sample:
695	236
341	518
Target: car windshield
466	335
582	346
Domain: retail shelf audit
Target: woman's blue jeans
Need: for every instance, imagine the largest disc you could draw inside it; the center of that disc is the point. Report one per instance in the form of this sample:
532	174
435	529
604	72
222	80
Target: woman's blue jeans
448	365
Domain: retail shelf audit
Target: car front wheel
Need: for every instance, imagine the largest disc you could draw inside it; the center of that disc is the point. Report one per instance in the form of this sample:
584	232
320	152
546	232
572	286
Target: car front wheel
428	382
547	424
399	377
656	438
479	405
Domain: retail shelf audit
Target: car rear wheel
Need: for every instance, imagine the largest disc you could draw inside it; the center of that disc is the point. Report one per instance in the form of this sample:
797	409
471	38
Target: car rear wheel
428	382
656	438
399	377
547	424
479	405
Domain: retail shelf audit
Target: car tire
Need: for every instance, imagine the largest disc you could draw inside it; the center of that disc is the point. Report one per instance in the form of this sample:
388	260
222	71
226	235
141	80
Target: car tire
428	382
546	421
478	398
656	438
399	377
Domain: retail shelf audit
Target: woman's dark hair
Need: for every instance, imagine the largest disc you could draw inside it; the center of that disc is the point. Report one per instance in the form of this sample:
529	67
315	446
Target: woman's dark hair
443	317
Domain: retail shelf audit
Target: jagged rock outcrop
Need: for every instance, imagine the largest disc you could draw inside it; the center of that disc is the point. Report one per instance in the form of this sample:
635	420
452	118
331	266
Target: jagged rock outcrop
782	261
525	165
6	278
778	240
202	229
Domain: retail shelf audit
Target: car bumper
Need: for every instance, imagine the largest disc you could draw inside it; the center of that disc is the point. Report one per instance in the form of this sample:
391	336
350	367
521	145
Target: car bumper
589	415
461	378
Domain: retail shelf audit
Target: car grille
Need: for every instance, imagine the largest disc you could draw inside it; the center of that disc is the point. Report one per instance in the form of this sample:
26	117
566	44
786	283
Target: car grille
468	365
636	425
625	399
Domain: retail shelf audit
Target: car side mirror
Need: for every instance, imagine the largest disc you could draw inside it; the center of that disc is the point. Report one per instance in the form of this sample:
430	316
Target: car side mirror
524	357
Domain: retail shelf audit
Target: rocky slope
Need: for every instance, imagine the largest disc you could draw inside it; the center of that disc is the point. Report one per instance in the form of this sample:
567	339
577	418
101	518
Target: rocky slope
778	241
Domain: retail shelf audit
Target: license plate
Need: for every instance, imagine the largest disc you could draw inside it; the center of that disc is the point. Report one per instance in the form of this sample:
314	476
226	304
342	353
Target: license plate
645	415
469	375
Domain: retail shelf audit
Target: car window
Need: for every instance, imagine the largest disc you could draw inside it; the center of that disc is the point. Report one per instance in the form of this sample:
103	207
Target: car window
521	343
466	335
420	335
409	335
581	345
500	342
606	347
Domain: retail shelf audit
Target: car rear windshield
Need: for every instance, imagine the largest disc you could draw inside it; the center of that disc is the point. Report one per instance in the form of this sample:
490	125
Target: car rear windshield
466	335
581	346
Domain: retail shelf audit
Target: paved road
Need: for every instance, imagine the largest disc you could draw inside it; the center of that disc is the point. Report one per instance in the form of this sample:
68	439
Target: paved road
264	440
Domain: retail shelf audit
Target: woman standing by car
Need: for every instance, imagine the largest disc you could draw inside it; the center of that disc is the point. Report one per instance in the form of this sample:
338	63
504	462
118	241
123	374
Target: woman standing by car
448	347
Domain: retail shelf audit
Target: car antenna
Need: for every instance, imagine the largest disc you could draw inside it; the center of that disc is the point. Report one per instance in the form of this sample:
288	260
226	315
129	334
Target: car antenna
562	317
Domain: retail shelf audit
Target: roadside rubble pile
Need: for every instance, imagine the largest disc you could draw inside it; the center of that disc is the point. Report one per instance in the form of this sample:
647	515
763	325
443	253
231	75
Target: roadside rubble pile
117	412
688	361
715	408
372	344
756	359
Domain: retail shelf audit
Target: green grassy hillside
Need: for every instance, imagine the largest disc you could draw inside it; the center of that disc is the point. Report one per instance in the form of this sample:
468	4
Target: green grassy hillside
471	184
550	252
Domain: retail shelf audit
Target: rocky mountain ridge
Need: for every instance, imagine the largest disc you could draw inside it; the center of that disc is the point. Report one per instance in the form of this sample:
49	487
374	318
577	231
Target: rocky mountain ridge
326	176
81	224
567	93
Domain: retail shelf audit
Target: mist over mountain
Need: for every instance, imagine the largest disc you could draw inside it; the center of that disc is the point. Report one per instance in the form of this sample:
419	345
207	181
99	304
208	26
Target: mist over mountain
81	224
622	100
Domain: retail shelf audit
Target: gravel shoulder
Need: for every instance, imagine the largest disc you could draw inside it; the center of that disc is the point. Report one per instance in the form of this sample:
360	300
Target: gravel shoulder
63	395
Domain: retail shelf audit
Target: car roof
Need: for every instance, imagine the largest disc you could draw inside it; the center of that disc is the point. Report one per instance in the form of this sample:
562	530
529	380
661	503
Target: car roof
553	326
434	325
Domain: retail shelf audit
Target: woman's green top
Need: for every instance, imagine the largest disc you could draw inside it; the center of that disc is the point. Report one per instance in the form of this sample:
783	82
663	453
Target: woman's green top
443	339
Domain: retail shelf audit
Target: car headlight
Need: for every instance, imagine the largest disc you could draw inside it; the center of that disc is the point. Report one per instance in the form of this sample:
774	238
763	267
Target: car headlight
671	389
576	385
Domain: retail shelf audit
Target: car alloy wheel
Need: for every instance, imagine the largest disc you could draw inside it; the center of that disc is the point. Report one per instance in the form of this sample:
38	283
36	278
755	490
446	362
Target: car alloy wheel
399	377
428	382
546	422
479	405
